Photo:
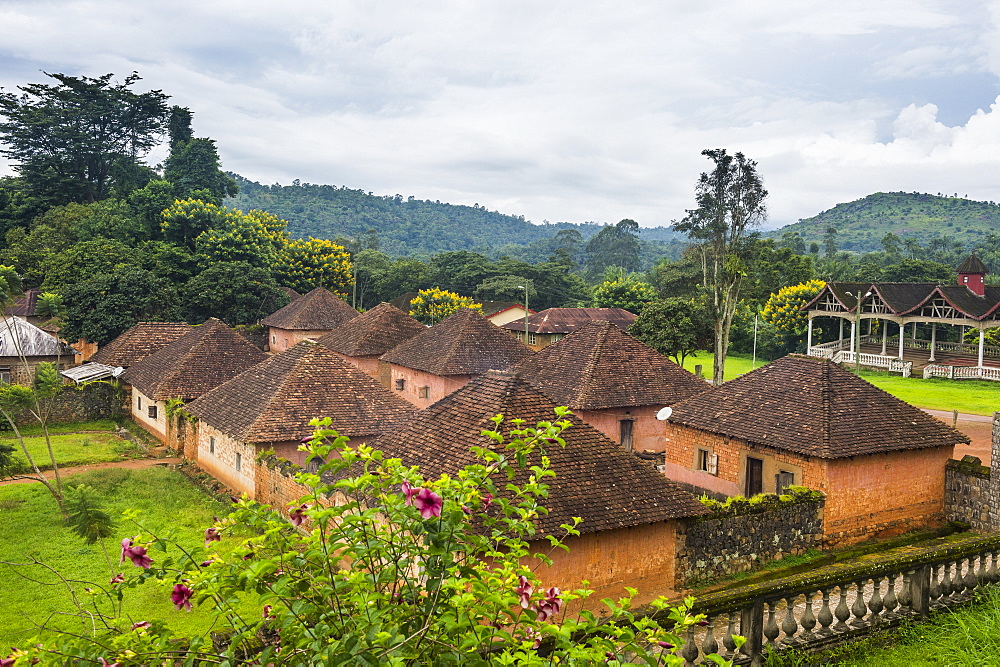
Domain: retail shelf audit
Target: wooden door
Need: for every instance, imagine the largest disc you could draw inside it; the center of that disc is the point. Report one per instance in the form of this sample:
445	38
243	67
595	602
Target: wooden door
754	477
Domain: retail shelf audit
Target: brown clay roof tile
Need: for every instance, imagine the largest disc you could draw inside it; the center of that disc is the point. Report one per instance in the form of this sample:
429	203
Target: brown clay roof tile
374	332
464	343
595	479
275	400
565	320
600	366
140	341
317	310
195	363
813	407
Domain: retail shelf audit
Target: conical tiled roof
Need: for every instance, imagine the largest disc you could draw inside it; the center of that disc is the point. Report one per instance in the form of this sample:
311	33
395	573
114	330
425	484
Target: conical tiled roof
374	332
318	310
973	265
595	480
275	400
813	407
140	341
464	343
600	366
195	363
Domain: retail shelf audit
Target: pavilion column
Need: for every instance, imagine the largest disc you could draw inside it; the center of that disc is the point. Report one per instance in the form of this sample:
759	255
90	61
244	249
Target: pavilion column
933	340
914	332
885	335
982	339
840	337
854	340
809	336
902	335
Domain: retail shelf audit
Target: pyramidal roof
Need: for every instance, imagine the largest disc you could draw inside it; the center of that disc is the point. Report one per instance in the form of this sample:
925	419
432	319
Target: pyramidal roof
595	480
317	310
464	343
973	265
140	341
565	320
600	366
813	407
374	332
275	400
195	363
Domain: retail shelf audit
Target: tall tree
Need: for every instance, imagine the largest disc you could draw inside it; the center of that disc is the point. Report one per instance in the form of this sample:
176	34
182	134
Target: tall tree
615	245
730	204
82	138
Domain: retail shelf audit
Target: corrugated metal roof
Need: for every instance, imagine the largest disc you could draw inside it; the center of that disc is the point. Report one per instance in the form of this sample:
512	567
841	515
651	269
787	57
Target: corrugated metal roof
91	371
18	337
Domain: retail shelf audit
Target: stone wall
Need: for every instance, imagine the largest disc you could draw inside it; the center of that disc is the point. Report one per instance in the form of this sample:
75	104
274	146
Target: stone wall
967	493
97	400
716	546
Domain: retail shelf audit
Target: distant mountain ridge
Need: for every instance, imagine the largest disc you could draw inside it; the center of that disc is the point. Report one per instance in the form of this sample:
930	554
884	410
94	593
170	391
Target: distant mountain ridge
405	226
862	224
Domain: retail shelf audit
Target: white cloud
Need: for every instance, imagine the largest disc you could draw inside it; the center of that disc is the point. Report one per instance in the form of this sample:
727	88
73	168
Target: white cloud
558	111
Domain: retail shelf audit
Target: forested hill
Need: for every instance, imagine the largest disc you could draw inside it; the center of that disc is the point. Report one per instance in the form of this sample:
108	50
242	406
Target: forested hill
404	226
862	224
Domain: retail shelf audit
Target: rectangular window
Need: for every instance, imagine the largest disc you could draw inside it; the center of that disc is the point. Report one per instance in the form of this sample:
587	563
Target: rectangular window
532	339
151	411
754	482
239	462
138	403
783	480
400	384
625	433
274	339
424	392
708	462
211	445
5	374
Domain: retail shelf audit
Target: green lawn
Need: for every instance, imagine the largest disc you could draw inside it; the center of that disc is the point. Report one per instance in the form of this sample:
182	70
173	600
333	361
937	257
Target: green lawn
969	396
30	526
71	450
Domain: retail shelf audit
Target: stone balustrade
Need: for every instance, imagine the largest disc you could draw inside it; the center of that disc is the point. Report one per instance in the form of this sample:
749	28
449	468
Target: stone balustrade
809	612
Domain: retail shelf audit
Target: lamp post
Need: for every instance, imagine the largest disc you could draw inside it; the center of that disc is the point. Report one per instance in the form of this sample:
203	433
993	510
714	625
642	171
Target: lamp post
525	287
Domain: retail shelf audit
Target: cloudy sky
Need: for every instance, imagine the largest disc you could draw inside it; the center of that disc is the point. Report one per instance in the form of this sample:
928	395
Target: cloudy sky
557	110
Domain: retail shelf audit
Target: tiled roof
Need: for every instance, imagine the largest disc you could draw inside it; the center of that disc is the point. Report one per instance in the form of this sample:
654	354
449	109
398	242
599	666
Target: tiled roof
905	298
973	265
317	310
813	407
140	341
275	400
595	479
403	300
494	307
600	366
464	343
565	320
292	294
195	363
24	305
374	332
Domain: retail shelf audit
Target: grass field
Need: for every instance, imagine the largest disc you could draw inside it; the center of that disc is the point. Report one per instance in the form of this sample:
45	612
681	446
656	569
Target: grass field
30	526
969	396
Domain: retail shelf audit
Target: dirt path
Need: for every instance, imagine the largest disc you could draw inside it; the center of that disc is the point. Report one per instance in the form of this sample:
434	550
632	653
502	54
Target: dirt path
130	464
979	428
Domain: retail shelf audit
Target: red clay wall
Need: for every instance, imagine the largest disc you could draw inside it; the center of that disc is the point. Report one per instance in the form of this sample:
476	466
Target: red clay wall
641	557
882	495
279	340
438	386
648	432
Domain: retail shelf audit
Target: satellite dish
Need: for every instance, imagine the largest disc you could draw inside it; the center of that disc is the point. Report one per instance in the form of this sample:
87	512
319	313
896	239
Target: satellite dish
663	414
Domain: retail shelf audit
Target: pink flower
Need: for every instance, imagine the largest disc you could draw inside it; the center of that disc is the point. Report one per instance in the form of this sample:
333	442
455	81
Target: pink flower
206	563
267	612
140	625
428	503
117	579
550	606
468	512
409	491
7	662
126	549
212	535
181	597
487	501
298	515
524	590
665	644
136	554
105	663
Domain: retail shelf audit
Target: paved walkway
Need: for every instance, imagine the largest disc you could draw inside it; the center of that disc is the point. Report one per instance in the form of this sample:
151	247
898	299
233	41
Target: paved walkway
131	464
979	428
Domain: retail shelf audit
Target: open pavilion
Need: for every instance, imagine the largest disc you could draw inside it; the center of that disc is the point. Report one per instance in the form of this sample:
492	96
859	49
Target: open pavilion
969	304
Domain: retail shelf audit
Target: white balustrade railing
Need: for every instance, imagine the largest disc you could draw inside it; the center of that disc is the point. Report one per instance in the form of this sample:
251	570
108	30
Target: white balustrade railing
962	372
892	364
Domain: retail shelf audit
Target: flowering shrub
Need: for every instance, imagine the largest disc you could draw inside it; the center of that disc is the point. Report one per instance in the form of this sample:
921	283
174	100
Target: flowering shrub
304	264
376	566
783	308
430	306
